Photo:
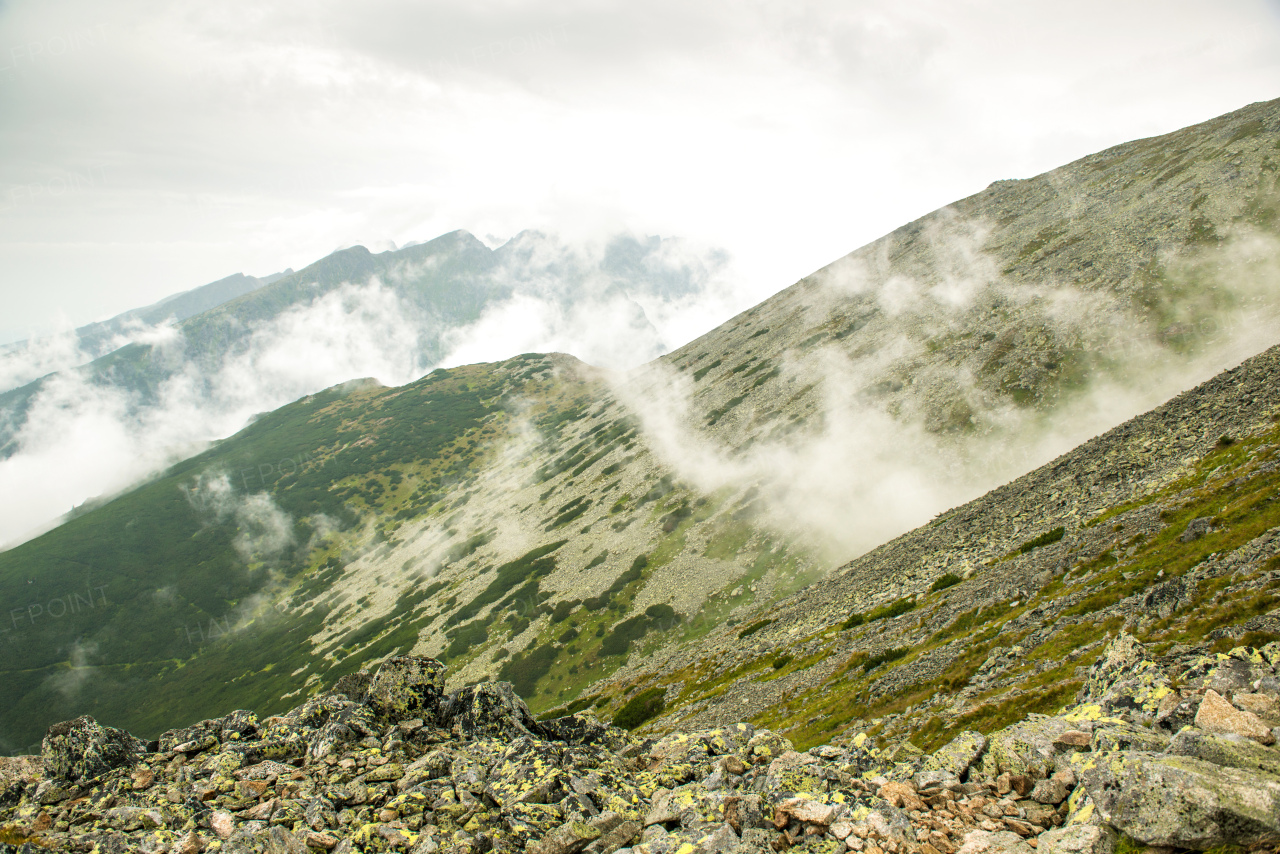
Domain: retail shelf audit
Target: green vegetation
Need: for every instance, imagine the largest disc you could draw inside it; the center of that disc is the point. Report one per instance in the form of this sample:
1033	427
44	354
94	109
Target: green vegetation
641	708
527	568
884	612
948	580
705	369
753	628
1043	540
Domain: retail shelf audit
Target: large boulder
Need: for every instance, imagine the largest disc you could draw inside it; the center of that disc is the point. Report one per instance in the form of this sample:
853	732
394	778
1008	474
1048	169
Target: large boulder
82	749
1182	802
1233	751
1078	839
1125	682
492	709
1027	747
405	687
958	755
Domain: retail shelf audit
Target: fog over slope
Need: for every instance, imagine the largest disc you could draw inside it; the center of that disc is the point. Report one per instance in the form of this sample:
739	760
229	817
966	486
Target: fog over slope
78	434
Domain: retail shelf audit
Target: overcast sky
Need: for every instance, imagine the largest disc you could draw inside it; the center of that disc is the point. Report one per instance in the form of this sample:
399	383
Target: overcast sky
150	146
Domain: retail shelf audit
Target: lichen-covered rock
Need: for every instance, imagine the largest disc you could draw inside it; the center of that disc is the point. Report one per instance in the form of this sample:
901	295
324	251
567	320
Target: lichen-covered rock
406	686
1126	682
1182	802
569	838
82	749
490	708
1026	747
1121	735
1231	751
1078	839
957	756
1217	715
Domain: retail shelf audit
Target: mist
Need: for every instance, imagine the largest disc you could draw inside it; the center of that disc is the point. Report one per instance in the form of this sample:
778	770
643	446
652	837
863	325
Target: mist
865	467
617	303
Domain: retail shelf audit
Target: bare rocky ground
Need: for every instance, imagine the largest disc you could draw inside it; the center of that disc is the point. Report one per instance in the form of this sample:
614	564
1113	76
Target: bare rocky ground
1177	753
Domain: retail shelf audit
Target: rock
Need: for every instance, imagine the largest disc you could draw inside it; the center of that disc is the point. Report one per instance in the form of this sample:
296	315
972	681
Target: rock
958	755
568	838
1125	682
1078	839
406	686
901	795
1217	715
624	834
1025	747
1265	706
82	749
16	773
933	779
804	810
1176	710
1019	784
1072	739
1182	802
1196	529
1233	751
1126	736
354	686
1050	791
222	824
1000	842
490	709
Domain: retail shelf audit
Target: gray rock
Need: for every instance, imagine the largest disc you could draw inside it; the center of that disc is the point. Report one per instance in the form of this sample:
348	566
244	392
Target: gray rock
489	709
569	838
82	749
1233	751
1109	737
958	755
406	686
1182	802
1078	839
1002	842
1196	529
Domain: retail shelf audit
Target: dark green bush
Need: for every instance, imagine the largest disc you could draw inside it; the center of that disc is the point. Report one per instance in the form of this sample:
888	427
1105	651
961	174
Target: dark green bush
883	658
1043	540
642	707
948	580
782	661
753	628
853	621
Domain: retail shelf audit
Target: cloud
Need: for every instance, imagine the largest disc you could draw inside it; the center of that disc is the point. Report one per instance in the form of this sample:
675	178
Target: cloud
864	466
617	303
82	440
264	530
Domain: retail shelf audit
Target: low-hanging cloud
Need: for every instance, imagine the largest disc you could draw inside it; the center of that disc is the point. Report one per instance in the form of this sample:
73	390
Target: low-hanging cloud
82	439
263	529
866	466
618	304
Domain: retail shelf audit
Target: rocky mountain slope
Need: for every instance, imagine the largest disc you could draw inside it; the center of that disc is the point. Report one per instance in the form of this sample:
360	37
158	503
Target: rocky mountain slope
388	762
594	538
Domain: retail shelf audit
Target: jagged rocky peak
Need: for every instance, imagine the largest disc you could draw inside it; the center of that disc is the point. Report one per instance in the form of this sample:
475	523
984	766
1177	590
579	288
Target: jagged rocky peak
1176	752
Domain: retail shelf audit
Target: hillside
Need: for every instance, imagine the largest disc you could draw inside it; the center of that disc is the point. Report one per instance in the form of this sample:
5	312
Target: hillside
585	535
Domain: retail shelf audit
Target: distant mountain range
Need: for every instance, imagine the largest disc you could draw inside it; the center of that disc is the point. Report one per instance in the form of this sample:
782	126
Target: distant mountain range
586	535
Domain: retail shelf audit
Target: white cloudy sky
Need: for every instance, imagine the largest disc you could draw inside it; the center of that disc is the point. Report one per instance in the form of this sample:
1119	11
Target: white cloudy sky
149	146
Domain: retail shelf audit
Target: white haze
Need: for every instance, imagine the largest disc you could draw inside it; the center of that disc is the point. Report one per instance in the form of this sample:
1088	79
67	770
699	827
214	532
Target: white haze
81	440
865	476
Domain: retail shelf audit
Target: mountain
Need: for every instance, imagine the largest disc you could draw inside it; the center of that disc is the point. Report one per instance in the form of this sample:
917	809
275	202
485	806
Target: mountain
441	286
587	535
101	337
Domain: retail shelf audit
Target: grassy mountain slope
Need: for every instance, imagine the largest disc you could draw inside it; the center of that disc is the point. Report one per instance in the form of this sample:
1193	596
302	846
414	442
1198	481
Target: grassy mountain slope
577	532
1167	526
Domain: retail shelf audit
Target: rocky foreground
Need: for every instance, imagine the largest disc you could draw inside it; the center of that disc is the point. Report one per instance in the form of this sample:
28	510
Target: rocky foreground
1175	753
